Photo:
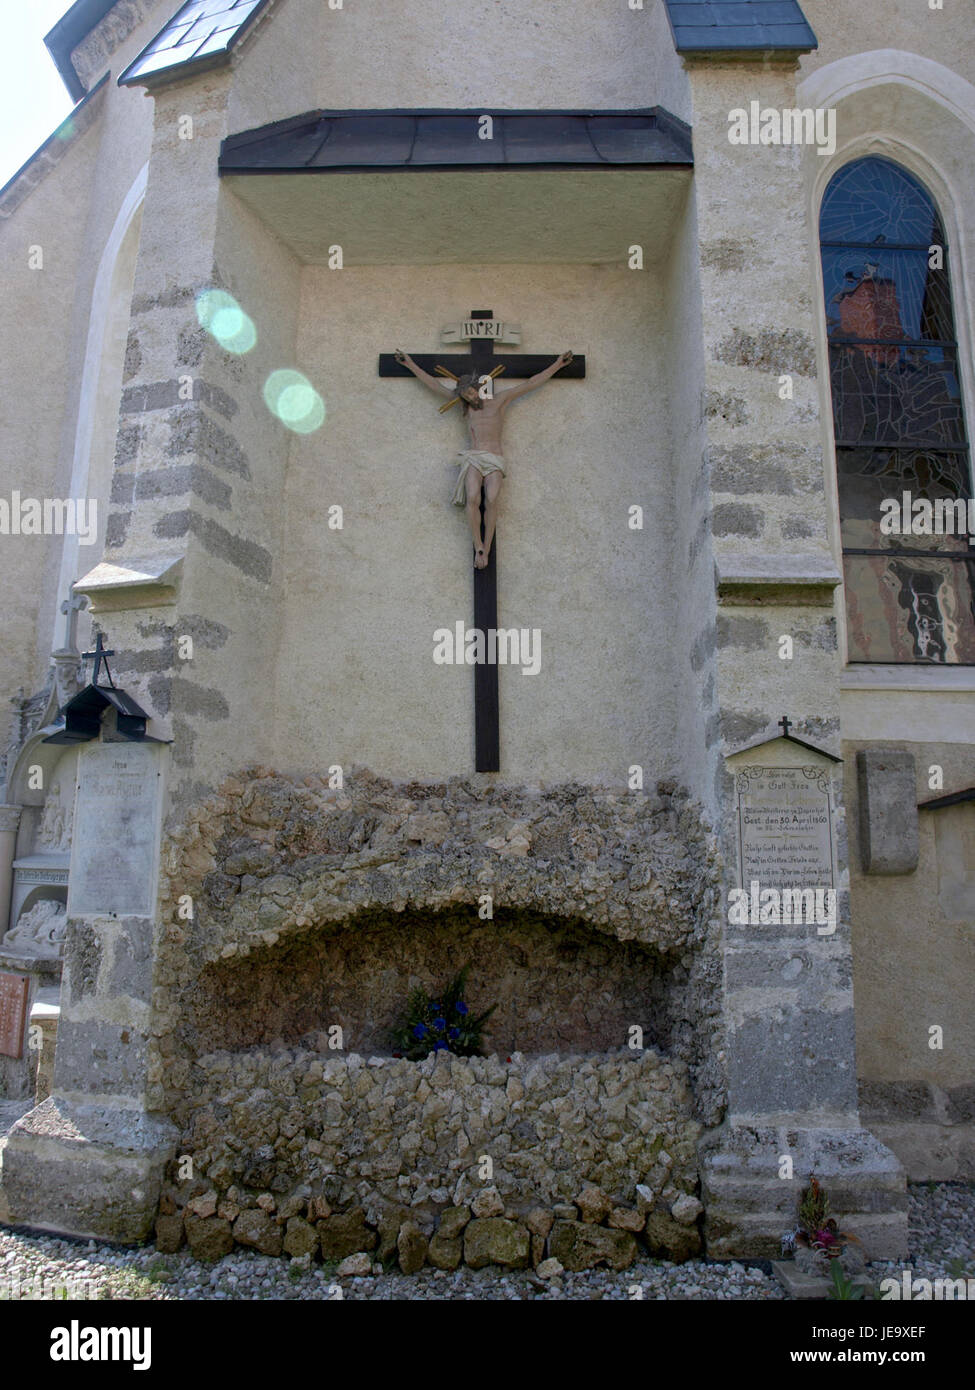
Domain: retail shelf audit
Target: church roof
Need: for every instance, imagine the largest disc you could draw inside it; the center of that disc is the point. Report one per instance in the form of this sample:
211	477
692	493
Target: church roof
735	26
201	34
73	28
323	141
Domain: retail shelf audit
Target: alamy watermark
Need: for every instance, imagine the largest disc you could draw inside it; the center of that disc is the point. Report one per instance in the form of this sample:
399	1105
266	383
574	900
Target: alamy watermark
909	1289
769	125
756	906
49	516
919	516
495	646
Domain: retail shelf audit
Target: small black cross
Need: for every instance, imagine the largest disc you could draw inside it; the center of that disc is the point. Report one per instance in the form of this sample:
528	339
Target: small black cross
481	359
99	655
785	725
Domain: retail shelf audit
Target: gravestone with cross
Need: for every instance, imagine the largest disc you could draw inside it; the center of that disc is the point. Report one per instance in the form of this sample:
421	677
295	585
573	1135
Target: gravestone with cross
482	331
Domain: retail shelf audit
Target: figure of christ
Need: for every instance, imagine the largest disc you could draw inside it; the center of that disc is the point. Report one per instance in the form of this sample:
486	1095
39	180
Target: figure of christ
482	465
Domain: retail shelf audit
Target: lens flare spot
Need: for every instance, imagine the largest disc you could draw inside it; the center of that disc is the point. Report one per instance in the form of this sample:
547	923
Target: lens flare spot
292	398
222	317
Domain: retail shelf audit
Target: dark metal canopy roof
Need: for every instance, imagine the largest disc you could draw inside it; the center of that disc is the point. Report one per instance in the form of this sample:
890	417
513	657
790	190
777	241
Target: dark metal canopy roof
70	30
324	141
740	26
952	799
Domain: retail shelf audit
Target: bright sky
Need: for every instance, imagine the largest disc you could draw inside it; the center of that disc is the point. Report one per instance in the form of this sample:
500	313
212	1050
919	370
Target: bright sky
33	99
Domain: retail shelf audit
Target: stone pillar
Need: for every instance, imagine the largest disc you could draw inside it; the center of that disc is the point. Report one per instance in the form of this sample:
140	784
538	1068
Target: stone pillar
9	825
89	1159
790	1043
189	554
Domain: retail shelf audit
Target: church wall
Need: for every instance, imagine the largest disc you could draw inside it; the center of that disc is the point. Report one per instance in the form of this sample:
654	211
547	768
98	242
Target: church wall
849	26
38	375
357	681
495	53
91	181
914	959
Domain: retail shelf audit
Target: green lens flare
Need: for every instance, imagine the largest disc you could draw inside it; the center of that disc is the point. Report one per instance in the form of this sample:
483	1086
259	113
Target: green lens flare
292	398
221	315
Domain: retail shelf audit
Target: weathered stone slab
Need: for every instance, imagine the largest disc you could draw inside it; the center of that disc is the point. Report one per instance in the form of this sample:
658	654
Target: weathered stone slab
887	795
804	1286
119	797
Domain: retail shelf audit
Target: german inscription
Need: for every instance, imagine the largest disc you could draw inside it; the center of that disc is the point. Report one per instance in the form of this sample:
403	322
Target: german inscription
116	831
785	827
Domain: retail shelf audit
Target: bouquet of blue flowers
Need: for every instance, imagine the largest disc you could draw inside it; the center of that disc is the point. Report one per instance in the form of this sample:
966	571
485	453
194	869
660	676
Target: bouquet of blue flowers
440	1024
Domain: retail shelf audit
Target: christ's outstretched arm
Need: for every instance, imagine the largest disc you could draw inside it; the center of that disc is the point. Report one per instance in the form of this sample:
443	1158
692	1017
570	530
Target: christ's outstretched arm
442	388
511	393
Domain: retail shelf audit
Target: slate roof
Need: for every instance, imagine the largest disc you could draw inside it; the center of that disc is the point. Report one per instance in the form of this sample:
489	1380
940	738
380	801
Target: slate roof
324	141
740	26
201	34
73	28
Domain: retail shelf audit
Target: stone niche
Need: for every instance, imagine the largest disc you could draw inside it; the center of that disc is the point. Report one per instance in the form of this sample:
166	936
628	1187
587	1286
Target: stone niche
557	985
318	907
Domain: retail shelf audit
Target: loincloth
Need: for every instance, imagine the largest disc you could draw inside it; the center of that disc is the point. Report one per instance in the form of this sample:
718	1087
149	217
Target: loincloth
485	463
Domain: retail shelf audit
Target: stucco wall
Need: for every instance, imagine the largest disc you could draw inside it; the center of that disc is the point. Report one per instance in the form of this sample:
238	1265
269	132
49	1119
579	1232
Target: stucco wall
494	53
356	679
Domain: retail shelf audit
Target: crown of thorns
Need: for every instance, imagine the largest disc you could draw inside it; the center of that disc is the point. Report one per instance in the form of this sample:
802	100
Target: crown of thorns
464	383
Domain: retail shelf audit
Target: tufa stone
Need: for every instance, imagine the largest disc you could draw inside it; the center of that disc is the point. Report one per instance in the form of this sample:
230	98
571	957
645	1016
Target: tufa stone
345	1233
169	1232
626	1219
594	1206
209	1237
686	1210
445	1252
300	1238
581	1245
487	1203
453	1221
665	1236
495	1241
256	1229
412	1246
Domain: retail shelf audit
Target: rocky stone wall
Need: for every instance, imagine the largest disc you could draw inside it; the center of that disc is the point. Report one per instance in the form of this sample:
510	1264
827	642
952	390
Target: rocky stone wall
305	1152
280	871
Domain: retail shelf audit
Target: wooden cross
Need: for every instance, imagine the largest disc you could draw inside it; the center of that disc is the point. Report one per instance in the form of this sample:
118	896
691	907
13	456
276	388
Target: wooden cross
785	725
99	655
481	359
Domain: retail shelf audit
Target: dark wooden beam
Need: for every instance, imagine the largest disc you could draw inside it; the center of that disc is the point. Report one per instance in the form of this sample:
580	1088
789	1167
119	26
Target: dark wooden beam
516	364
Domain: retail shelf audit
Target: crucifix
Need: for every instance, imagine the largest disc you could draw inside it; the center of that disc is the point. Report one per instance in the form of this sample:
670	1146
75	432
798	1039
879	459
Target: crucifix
469	380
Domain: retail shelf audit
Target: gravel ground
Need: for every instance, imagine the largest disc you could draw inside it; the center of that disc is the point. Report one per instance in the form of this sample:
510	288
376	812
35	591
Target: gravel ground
34	1266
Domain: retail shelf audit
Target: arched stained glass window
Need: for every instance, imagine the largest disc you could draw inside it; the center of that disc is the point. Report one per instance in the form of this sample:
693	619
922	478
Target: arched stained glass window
902	455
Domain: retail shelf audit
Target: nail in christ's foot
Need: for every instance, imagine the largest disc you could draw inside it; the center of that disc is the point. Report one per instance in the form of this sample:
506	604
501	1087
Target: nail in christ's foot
480	558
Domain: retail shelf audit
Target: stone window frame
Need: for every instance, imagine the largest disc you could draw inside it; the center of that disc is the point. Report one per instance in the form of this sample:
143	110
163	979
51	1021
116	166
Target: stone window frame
824	88
884	673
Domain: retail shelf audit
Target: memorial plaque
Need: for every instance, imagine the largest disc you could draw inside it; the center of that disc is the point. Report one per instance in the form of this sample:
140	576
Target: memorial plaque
785	827
13	1013
115	843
